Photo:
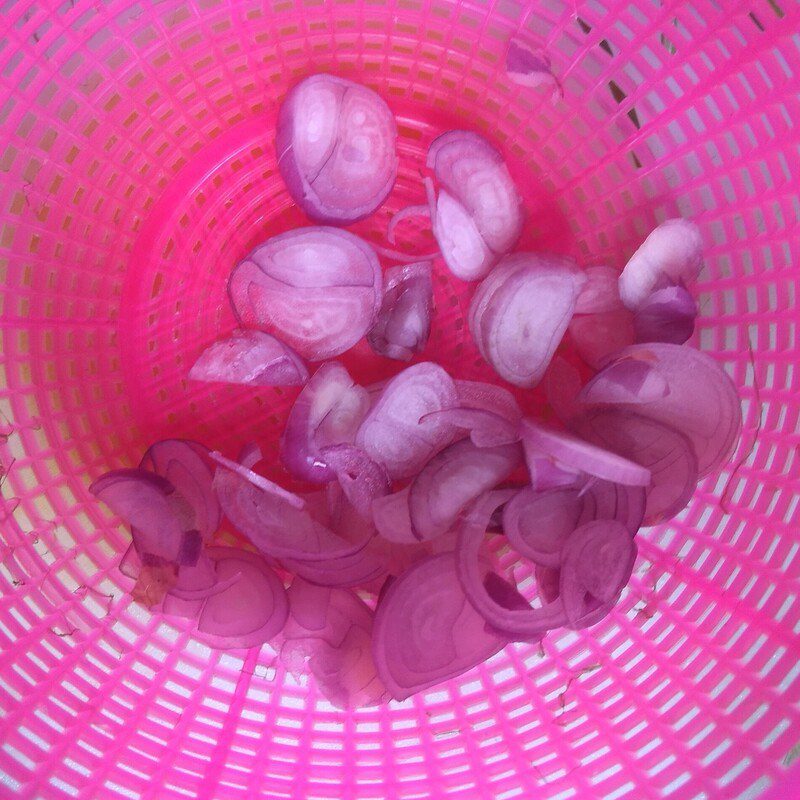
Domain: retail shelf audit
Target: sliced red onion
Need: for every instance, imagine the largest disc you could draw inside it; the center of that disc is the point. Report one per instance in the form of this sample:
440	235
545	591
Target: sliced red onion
142	499
471	172
562	385
545	473
260	482
529	65
130	563
250	357
600	293
596	564
425	630
463	248
597	337
393	433
184	464
409	212
606	500
318	289
516	622
538	523
209	591
362	479
347	571
671	255
520	312
403	258
251	610
190	549
329	635
667	315
275	526
486	429
578	454
666	452
702	402
453	479
328	411
488	397
634	380
393	519
404	320
337	148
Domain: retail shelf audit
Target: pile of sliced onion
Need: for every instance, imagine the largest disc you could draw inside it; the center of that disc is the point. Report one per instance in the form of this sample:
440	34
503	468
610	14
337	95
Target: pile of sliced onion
399	485
520	312
336	144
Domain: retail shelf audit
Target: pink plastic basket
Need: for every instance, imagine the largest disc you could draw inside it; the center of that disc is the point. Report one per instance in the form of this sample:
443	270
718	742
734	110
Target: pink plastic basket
137	165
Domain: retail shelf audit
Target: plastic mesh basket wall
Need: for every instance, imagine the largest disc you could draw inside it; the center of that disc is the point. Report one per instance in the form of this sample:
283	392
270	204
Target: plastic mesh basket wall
137	164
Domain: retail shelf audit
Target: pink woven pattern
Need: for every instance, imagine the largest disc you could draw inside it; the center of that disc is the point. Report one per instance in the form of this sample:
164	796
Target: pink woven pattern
136	165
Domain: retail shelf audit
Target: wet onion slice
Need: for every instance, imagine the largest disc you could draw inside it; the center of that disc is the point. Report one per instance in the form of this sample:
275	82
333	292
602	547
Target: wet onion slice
318	289
520	312
336	143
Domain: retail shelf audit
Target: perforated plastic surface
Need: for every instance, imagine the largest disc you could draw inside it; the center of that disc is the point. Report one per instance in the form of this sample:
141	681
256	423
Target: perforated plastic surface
136	165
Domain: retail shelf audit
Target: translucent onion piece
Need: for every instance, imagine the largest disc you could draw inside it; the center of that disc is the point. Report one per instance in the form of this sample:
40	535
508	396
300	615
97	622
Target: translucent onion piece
464	251
393	519
362	479
520	312
393	432
596	565
600	293
425	630
318	289
666	452
328	411
667	315
578	454
409	212
529	65
336	143
488	397
329	636
701	401
486	429
452	480
671	255
597	337
260	482
250	357
473	172
184	464
404	321
516	622
251	610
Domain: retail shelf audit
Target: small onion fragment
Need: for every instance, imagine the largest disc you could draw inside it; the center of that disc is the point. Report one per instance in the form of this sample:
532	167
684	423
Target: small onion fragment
328	411
362	479
529	65
404	321
478	212
318	289
393	432
520	312
671	255
488	397
578	454
251	610
667	315
329	636
425	630
336	142
250	357
453	479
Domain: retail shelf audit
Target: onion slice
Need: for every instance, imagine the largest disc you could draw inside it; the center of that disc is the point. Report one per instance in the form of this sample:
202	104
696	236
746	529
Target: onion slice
318	289
328	411
486	429
600	293
249	611
529	65
667	315
393	432
362	479
250	357
453	479
260	482
404	321
425	630
336	142
671	255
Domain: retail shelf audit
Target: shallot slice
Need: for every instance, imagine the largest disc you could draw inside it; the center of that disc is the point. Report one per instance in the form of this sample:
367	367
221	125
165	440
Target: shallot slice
667	315
336	142
318	289
426	631
529	65
250	357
